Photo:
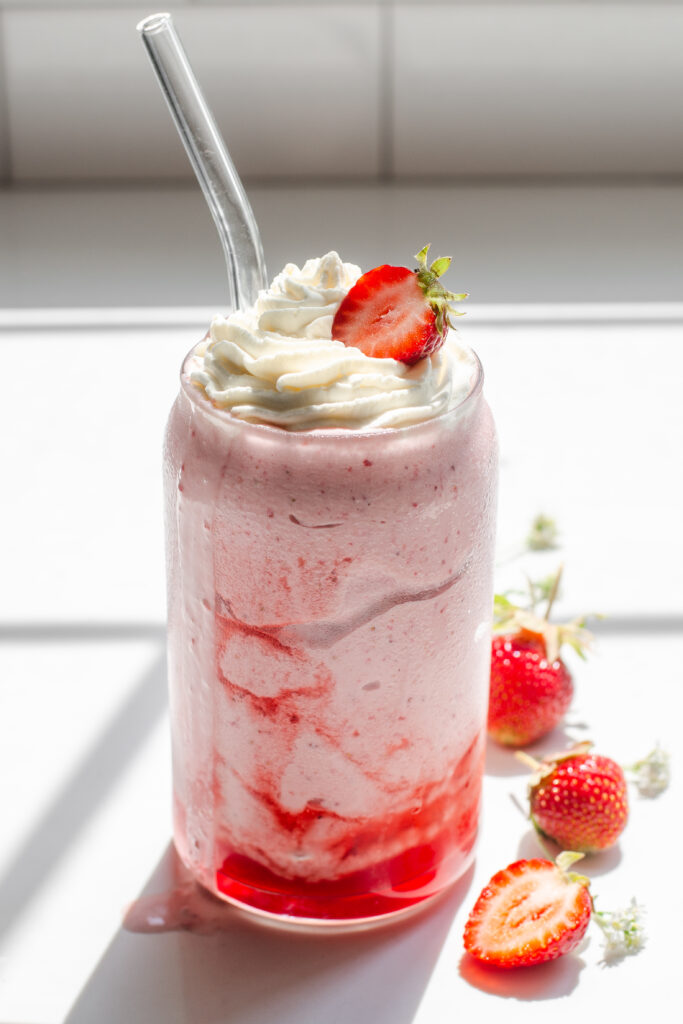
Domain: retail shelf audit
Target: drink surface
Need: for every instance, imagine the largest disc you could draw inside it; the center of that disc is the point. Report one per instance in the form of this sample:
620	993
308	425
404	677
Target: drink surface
329	643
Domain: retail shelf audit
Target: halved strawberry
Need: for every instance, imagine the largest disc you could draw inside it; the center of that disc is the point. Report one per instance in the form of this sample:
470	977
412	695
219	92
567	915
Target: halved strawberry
530	912
397	313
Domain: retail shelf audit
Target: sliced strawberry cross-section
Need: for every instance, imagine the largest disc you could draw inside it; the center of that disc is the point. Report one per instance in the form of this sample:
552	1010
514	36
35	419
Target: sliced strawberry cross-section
530	912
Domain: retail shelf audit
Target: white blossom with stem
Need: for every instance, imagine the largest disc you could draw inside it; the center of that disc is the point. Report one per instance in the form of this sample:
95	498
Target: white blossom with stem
623	931
653	773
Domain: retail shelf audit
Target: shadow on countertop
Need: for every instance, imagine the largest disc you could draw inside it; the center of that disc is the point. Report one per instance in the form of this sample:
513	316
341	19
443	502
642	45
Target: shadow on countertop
253	974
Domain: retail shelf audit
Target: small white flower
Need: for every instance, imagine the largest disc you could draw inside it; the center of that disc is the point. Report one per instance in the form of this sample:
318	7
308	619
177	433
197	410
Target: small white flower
623	930
543	534
652	775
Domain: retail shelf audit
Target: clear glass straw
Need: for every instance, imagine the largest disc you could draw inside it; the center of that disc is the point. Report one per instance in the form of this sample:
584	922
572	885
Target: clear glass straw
210	160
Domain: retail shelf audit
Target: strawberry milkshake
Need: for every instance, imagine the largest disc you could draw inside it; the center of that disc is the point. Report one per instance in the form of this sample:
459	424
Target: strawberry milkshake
330	521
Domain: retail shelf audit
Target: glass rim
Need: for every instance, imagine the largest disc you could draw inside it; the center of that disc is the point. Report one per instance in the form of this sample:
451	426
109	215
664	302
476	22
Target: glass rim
198	397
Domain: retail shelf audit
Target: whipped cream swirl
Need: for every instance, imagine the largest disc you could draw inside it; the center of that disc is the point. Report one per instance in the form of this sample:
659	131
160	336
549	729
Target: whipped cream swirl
278	363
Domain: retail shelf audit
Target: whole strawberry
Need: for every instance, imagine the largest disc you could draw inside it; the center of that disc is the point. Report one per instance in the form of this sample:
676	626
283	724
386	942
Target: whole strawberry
531	688
578	799
397	313
529	694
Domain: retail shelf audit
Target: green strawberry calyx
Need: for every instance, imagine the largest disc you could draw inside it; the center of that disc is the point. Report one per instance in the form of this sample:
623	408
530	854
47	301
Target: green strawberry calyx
509	617
541	769
439	299
563	863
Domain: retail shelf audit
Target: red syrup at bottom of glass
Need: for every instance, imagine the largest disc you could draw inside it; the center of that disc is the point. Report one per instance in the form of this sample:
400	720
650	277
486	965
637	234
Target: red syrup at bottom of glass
386	888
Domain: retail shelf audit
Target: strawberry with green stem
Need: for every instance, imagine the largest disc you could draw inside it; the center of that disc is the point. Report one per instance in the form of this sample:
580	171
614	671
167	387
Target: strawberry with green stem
530	687
578	799
398	313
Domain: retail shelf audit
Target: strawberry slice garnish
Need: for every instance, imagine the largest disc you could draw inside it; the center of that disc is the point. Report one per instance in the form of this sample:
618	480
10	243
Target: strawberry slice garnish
398	313
530	912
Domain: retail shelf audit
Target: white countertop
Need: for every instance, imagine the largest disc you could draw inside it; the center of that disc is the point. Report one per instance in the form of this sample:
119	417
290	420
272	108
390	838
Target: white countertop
587	402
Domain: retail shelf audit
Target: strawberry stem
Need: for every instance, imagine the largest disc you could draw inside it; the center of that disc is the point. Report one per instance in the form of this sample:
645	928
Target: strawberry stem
565	860
553	592
528	760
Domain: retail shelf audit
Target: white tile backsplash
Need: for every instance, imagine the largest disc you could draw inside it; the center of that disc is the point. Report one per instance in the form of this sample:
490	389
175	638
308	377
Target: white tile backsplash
294	91
5	157
349	89
563	89
70	5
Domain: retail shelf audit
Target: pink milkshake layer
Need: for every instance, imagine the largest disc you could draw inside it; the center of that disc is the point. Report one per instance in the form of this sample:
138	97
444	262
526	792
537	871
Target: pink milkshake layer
329	616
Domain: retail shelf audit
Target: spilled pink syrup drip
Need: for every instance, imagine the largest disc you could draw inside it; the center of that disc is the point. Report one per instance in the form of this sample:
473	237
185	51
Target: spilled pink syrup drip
185	907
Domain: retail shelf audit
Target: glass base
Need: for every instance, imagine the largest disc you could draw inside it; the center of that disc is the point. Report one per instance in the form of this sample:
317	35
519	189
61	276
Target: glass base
333	926
341	906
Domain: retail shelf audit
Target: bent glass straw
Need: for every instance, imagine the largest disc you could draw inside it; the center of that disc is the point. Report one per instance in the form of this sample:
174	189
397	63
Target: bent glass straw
210	160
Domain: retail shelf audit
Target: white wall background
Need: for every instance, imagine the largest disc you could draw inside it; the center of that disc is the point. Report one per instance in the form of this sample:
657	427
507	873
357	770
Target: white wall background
348	90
